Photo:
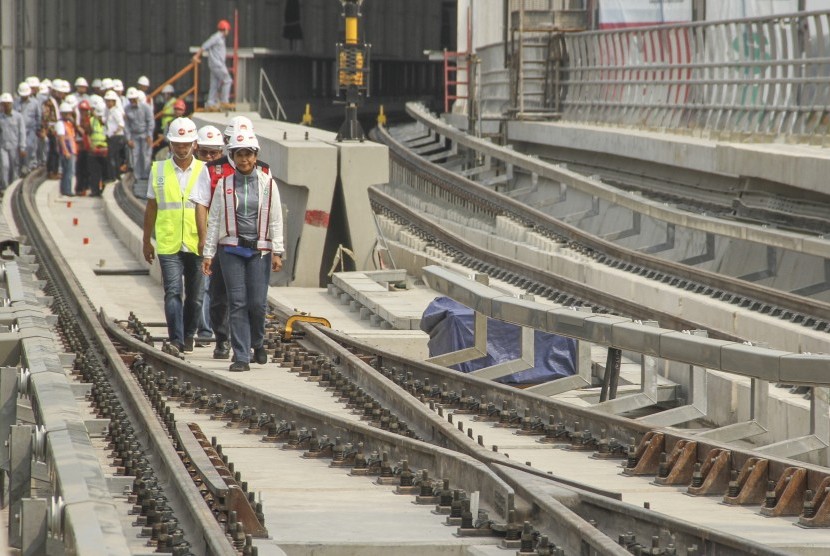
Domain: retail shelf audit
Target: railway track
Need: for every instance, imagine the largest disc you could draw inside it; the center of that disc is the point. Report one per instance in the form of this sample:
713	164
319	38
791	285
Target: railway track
425	180
455	441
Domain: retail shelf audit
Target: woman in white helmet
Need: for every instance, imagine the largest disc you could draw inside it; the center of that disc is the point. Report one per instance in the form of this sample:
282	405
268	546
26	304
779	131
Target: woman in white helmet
245	232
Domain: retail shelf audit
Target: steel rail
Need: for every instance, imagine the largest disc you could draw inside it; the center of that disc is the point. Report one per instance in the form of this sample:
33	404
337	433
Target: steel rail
615	426
202	529
587	295
600	249
569	517
470	473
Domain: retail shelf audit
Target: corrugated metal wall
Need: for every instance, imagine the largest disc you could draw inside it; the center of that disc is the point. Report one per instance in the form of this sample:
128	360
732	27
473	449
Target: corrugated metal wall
126	38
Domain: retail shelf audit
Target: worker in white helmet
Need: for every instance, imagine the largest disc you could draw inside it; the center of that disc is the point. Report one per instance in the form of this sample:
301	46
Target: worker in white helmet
143	86
209	148
12	141
96	88
82	89
32	113
140	124
66	134
98	153
51	116
245	231
173	219
116	142
220	79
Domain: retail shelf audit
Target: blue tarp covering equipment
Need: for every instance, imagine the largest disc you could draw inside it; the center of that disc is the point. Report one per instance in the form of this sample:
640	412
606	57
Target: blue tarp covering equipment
451	327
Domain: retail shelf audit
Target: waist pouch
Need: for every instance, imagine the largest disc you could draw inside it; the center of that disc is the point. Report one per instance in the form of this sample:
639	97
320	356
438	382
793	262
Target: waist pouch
240	251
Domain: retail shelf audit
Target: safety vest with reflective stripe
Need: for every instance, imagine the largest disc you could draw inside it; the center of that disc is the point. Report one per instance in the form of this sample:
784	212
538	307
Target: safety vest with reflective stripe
176	217
97	137
263	242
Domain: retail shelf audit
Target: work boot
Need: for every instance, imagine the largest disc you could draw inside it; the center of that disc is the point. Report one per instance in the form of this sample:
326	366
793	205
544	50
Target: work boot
239	366
175	349
222	350
261	355
188	344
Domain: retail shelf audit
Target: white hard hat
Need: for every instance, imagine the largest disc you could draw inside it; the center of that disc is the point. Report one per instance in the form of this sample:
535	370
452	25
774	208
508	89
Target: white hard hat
99	111
43	89
168	89
182	130
33	81
24	89
132	93
106	83
111	95
47	83
96	83
239	123
118	85
209	136
243	140
81	82
62	86
66	107
142	97
6	97
71	99
143	80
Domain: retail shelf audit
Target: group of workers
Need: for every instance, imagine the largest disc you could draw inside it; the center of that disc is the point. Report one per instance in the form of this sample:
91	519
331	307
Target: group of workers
85	134
215	211
93	132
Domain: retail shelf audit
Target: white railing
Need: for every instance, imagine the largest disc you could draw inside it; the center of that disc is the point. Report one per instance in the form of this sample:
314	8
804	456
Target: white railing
275	113
757	77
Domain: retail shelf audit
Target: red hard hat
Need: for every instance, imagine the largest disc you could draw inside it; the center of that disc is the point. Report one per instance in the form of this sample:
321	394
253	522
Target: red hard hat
224	25
84	105
179	104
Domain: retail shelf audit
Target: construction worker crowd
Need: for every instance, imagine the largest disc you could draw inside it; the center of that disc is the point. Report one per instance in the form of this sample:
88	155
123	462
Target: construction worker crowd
84	134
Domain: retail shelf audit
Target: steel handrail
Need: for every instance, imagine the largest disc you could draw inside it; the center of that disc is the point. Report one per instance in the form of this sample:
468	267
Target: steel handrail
263	78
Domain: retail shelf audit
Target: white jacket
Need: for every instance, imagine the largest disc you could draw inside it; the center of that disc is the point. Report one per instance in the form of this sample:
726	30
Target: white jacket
217	226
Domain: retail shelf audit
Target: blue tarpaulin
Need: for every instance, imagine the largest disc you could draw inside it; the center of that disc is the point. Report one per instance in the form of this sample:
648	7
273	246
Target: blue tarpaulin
450	326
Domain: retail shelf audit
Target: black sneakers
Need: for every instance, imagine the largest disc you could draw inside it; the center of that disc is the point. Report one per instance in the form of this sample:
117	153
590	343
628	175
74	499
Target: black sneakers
222	350
239	366
188	344
261	355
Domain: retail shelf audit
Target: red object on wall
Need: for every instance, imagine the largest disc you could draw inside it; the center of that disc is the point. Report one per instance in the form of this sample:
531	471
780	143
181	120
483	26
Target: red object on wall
318	218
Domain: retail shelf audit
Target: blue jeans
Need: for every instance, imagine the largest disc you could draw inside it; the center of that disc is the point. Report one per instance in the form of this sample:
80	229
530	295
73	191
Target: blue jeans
246	281
182	317
68	170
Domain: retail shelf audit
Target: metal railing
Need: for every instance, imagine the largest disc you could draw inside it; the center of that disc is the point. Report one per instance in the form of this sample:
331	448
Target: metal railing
755	77
277	112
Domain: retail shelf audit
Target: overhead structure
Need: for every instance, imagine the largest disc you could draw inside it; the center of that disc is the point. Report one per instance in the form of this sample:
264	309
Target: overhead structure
352	71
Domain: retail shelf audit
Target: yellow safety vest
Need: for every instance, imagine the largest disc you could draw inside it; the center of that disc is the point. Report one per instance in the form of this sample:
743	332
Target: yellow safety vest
176	217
